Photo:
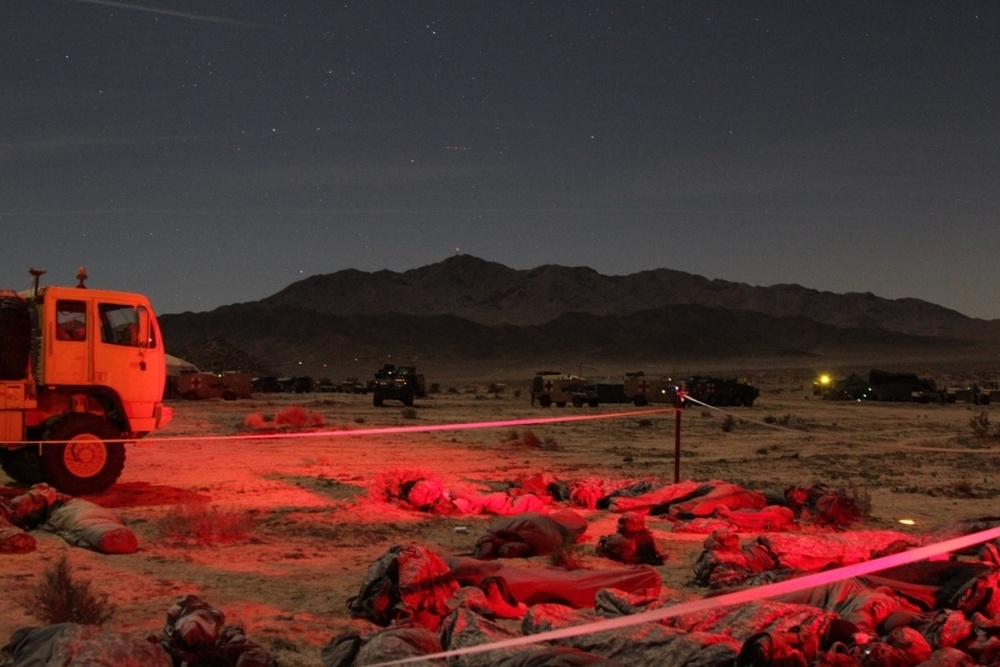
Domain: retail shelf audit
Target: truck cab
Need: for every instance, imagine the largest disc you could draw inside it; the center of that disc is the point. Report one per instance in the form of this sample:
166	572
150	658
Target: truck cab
92	378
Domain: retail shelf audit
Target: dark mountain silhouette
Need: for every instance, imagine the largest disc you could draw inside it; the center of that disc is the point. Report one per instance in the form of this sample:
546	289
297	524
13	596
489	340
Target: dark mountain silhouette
466	308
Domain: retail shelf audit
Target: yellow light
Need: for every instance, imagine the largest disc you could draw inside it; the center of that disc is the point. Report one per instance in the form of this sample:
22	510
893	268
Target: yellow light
824	379
907	522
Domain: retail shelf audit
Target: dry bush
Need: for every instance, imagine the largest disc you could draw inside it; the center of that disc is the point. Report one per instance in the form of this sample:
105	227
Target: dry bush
529	439
256	421
206	525
408	412
861	500
981	427
296	415
61	598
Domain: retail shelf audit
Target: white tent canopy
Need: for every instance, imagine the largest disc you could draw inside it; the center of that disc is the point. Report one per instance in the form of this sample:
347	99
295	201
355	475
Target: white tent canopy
175	365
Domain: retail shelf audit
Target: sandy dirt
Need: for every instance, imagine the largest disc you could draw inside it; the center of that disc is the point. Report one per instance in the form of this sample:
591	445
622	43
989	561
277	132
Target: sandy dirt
306	530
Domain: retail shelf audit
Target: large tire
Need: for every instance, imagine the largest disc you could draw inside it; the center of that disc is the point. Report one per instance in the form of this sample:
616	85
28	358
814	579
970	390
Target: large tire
639	401
80	460
15	338
578	401
545	401
22	465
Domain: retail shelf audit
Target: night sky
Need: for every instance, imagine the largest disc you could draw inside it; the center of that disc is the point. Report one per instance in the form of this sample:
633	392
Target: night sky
214	152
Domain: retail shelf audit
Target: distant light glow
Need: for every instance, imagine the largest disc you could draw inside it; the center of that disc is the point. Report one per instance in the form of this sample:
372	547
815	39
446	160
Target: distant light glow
907	522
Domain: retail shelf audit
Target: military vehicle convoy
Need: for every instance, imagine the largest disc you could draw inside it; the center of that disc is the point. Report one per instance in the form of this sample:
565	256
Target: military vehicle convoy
554	388
397	383
82	371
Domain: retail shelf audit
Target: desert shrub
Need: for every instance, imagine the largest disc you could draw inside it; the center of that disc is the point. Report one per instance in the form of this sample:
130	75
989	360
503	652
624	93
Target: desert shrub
205	525
408	412
517	393
512	434
256	421
359	420
645	423
981	427
62	598
963	489
452	390
529	439
762	450
728	423
551	444
435	388
296	415
861	500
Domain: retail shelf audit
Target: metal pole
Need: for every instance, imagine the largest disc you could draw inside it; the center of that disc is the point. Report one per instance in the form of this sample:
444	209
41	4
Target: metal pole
678	403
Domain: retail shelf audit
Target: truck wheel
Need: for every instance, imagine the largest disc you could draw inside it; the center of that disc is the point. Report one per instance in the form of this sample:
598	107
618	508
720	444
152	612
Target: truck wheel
15	338
377	401
578	401
545	401
592	403
228	395
81	460
22	465
639	401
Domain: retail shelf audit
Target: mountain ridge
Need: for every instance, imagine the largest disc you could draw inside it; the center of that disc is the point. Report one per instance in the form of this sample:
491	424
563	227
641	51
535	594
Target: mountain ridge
468	310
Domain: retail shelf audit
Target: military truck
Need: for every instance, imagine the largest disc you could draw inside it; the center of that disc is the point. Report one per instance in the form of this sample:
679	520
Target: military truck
642	389
881	385
82	372
228	385
716	391
397	383
552	387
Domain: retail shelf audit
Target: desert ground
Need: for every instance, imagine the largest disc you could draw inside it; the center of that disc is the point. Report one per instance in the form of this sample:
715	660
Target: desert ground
297	526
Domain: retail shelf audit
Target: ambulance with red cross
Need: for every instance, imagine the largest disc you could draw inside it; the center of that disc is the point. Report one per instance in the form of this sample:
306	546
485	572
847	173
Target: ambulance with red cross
642	389
552	387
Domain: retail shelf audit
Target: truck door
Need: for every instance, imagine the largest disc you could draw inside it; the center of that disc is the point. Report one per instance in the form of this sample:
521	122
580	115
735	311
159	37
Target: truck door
123	358
67	343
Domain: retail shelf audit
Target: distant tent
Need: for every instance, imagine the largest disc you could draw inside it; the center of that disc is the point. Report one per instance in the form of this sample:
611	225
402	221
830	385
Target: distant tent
176	365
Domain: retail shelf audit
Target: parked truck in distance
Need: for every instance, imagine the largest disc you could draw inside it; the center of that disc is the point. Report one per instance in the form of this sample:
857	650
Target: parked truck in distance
552	387
881	385
82	372
642	389
716	391
228	385
397	383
